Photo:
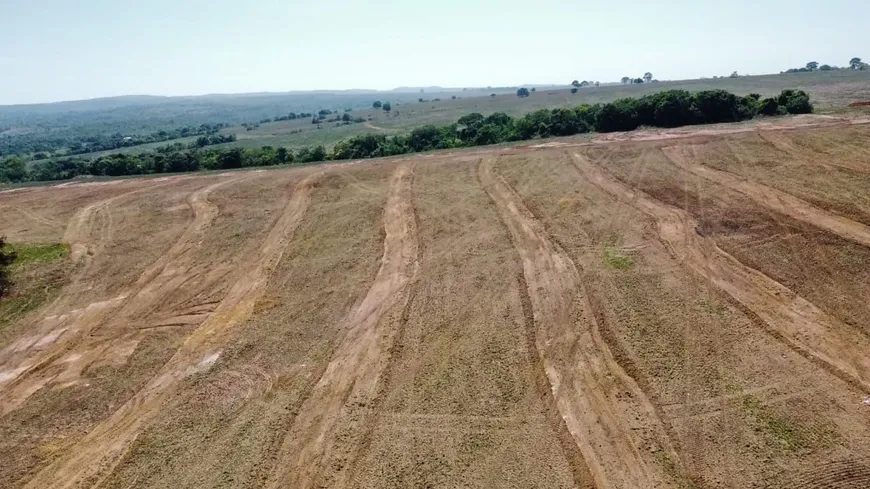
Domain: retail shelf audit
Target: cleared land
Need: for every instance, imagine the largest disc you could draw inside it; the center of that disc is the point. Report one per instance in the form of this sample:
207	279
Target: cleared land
657	309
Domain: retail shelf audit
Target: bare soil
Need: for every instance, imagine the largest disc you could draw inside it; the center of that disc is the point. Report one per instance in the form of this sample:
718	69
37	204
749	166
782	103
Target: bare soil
658	309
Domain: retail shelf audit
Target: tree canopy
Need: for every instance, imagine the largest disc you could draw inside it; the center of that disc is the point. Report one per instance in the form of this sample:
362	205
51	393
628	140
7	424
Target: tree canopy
523	92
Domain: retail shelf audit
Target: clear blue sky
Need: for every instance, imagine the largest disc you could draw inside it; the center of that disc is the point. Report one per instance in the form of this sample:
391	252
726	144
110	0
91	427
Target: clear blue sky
54	50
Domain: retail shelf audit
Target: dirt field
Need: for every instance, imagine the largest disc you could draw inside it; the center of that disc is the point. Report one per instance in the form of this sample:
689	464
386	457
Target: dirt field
660	309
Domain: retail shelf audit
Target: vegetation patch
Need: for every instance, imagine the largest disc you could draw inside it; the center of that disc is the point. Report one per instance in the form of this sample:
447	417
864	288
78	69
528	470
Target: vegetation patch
776	427
617	260
33	273
27	254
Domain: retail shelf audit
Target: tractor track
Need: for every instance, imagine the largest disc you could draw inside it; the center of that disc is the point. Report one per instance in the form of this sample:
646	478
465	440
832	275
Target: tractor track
357	365
97	454
583	375
799	324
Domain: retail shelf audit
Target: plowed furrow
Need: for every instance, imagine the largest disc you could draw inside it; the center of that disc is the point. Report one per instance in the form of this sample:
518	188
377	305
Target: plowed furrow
101	449
586	381
775	200
790	318
357	363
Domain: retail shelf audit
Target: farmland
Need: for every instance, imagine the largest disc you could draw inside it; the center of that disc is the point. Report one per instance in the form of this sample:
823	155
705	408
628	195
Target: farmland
657	309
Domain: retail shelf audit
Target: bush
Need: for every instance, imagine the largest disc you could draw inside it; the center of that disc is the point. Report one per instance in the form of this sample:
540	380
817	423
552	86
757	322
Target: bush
768	106
522	92
619	115
795	101
7	256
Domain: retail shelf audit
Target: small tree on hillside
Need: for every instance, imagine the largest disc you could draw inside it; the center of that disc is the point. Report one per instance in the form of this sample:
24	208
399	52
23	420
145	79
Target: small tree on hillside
493	95
856	63
376	105
575	83
387	108
734	75
573	89
7	256
638	81
523	92
813	65
825	68
533	89
647	77
625	80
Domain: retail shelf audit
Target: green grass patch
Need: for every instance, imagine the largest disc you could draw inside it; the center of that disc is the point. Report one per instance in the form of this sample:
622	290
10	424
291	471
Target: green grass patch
17	305
27	254
776	427
617	260
37	274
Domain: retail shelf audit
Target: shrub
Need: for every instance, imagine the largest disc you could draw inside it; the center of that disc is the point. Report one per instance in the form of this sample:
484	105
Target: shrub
768	106
619	115
7	256
795	101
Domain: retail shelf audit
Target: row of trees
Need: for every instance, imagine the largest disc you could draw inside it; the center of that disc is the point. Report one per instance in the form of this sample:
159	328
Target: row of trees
40	146
670	108
854	64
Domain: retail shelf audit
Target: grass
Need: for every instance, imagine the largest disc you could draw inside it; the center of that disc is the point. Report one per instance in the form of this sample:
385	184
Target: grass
617	260
37	273
27	254
775	426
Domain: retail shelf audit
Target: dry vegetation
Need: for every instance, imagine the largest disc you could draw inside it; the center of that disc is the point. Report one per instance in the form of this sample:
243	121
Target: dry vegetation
663	309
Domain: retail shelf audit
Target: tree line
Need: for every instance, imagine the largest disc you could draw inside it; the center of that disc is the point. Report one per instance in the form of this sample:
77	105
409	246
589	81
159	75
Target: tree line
671	108
854	64
40	146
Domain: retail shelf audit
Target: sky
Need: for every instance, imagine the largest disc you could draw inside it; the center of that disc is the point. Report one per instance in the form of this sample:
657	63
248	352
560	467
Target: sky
53	50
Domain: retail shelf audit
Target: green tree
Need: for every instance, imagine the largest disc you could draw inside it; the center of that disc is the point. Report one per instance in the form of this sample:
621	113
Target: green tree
376	105
825	68
345	117
523	92
625	80
856	63
282	155
813	65
533	89
573	89
493	95
575	84
13	169
647	77
638	81
7	256
387	107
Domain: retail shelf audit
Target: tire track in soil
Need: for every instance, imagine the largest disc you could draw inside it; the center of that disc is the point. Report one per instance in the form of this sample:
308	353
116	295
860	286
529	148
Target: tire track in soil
775	200
594	396
778	141
357	364
799	324
31	369
96	456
